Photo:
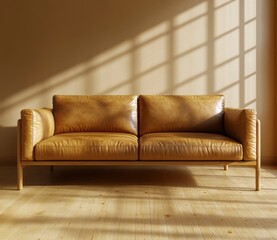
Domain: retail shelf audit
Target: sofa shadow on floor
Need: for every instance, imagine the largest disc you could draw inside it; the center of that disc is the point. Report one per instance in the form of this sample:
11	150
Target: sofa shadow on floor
112	176
208	178
101	176
8	145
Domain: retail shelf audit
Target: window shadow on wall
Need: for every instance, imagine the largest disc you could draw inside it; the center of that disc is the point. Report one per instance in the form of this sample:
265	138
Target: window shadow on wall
125	47
153	47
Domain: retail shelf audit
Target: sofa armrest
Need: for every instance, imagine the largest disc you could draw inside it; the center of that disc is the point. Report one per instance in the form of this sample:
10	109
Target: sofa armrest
240	124
36	125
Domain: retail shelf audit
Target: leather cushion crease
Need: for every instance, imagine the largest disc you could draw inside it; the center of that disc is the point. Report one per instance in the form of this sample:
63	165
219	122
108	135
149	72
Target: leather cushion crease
88	146
189	146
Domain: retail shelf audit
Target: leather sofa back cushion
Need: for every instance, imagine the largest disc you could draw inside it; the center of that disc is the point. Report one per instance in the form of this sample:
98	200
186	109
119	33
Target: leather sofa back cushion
181	114
79	113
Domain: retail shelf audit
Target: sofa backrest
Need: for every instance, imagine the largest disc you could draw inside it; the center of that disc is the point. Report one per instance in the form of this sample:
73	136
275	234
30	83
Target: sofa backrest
166	113
100	113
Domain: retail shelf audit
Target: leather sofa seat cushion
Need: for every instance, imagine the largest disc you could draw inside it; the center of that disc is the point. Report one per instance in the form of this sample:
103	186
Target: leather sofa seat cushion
88	146
100	113
189	146
181	113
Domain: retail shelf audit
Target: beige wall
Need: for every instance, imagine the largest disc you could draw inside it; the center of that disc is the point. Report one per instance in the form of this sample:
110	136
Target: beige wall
266	69
137	47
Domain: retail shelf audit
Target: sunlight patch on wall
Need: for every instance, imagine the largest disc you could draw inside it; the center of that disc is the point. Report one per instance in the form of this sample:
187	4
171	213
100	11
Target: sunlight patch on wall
110	71
151	55
192	13
250	10
226	17
227	50
250	91
110	54
250	63
194	86
227	75
250	54
151	60
152	33
210	48
219	3
249	36
231	95
227	47
235	51
112	76
190	66
153	82
190	36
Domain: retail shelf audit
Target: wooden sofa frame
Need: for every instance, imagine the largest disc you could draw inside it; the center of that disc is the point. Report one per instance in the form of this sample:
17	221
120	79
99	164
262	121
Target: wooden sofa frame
256	163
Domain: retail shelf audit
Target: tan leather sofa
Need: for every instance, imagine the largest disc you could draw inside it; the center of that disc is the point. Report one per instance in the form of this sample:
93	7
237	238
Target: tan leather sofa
138	130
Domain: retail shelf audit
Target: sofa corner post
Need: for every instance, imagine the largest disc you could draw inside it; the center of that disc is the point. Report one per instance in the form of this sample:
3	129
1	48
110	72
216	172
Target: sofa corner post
258	154
19	176
19	163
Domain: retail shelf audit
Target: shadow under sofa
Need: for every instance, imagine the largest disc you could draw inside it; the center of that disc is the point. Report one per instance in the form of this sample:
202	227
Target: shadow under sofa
138	130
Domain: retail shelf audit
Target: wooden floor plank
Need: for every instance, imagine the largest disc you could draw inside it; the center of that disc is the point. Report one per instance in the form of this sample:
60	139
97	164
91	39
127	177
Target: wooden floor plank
138	203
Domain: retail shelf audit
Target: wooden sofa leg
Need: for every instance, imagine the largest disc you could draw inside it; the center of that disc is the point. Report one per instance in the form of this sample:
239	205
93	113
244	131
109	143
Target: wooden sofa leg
258	160
19	176
225	167
19	164
258	176
51	168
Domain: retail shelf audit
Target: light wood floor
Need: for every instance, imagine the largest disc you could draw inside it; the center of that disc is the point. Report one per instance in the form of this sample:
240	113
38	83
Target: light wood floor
138	203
